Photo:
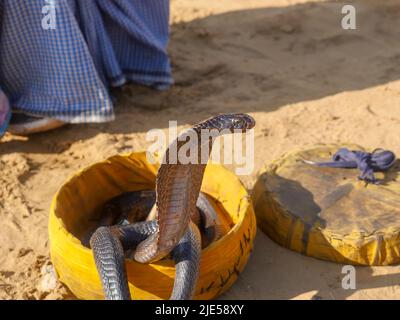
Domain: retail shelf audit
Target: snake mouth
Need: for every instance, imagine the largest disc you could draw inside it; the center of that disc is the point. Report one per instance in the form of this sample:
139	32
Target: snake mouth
250	123
242	121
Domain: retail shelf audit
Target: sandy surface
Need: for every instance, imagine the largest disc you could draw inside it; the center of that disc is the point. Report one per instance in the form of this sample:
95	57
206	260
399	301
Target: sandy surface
288	64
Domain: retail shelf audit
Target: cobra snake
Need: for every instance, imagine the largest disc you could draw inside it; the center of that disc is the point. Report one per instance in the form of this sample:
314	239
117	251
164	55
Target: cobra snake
179	209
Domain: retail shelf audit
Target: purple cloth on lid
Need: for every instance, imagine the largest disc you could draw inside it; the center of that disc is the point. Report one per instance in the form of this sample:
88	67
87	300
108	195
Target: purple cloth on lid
366	162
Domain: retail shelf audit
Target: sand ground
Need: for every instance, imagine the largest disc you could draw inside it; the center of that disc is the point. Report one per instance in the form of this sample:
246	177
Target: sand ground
286	62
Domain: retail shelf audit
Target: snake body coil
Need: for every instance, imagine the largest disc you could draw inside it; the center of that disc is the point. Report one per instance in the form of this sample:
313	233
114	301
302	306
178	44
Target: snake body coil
177	192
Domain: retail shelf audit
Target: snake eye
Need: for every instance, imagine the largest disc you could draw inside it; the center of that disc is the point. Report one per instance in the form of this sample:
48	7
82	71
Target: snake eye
238	124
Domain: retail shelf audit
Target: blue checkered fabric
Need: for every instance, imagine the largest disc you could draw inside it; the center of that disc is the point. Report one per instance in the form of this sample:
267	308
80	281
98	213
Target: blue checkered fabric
5	113
58	58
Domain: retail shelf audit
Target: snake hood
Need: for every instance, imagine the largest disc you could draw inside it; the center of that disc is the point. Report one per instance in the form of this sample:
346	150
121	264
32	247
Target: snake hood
177	192
178	187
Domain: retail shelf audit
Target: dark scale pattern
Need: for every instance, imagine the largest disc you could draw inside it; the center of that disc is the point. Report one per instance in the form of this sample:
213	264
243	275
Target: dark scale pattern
187	259
110	262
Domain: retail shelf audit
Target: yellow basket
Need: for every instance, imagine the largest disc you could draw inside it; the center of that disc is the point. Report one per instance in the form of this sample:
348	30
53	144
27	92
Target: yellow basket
327	213
76	206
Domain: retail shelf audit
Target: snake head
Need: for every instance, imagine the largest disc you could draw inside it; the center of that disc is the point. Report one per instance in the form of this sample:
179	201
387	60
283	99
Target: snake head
229	121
